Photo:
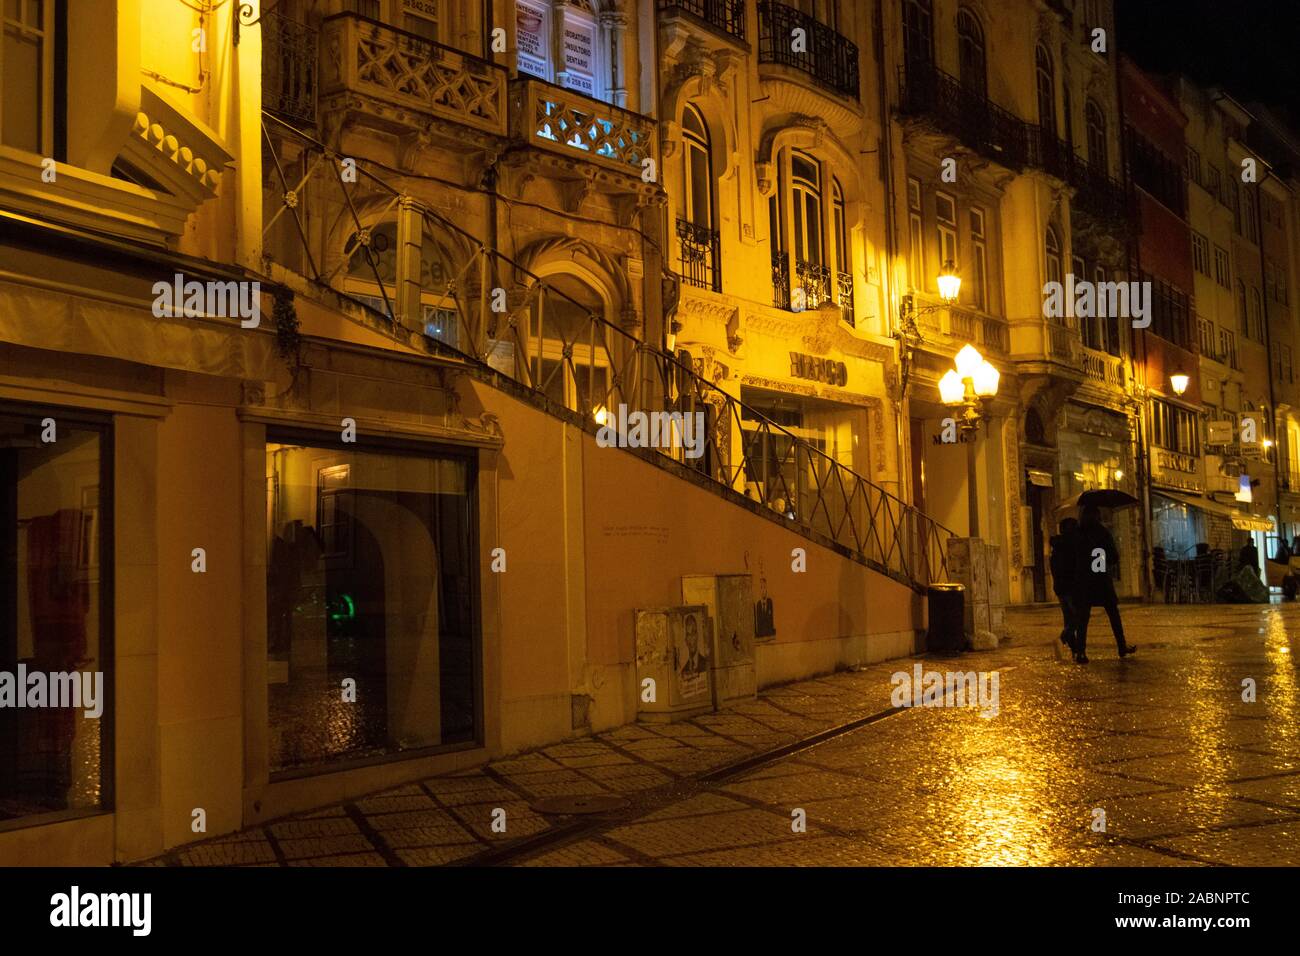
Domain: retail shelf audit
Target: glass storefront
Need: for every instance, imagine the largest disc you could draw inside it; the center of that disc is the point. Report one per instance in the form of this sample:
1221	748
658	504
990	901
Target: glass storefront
55	654
371	583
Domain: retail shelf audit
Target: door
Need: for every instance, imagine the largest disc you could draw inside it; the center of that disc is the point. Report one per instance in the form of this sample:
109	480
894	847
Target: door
1036	506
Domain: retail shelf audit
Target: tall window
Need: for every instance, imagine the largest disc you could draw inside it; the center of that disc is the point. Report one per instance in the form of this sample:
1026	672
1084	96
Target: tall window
1201	253
695	223
1249	214
55	557
581	62
971	54
1096	123
843	254
915	249
979	260
1244	320
945	220
806	187
1222	270
1046	86
370	575
823	11
27	75
1053	246
918	32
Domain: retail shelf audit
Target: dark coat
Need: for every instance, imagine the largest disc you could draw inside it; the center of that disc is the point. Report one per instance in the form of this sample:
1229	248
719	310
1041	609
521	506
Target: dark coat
1095	587
1063	559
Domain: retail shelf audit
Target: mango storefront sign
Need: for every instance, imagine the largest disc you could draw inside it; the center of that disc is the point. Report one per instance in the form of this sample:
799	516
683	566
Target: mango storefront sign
826	371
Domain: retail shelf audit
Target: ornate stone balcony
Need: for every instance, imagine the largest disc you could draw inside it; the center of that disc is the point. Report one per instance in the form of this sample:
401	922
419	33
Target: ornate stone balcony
1103	367
406	79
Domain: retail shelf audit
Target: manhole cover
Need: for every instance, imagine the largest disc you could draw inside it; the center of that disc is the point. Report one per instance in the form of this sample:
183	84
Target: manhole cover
580	803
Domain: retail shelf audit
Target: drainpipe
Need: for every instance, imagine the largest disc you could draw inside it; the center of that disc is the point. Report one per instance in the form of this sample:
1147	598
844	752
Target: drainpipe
891	246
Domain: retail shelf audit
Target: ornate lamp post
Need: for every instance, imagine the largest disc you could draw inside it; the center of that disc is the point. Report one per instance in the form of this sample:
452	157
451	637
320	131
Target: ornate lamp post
965	389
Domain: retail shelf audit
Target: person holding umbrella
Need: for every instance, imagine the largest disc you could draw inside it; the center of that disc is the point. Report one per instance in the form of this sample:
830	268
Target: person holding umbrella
1096	557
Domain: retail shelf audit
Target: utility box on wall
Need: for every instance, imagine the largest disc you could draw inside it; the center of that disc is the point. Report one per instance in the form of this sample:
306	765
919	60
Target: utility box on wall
674	662
978	567
730	600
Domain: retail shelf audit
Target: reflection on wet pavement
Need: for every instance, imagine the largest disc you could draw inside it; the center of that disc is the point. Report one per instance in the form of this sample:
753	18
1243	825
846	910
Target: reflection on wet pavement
1163	745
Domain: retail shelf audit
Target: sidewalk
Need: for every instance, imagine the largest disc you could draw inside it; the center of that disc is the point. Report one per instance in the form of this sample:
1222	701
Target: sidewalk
447	819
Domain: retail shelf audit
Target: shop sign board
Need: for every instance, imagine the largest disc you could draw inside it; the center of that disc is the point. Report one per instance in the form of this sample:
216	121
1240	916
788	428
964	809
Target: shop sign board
826	371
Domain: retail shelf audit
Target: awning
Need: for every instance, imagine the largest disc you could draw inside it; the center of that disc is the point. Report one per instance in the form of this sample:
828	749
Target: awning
1240	519
1040	478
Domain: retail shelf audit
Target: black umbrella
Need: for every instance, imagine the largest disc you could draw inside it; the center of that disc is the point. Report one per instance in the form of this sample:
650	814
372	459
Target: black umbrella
1101	497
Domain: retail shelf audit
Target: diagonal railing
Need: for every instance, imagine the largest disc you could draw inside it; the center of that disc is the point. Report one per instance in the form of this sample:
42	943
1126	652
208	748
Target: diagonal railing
496	313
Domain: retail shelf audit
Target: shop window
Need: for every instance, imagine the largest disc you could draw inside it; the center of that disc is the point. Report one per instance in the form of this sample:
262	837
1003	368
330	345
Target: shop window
972	59
55	582
27	75
371	577
1045	84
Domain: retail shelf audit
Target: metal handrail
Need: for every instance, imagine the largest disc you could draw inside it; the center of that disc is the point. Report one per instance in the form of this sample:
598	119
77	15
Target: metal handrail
575	359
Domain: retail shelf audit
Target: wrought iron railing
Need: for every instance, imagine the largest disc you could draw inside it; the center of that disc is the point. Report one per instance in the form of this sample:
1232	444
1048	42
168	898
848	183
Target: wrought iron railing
964	112
566	122
581	367
781	280
701	258
844	286
289	51
412	72
815	283
1099	195
824	54
727	15
1049	152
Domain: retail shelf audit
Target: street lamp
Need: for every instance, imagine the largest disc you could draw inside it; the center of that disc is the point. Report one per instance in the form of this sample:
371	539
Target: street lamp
1179	381
967	387
908	334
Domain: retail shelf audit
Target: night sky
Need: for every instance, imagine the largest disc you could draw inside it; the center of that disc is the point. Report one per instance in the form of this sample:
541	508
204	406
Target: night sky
1249	47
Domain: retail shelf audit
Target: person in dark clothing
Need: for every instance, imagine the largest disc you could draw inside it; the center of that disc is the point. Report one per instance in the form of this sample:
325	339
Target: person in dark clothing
1065	547
1095	558
1249	556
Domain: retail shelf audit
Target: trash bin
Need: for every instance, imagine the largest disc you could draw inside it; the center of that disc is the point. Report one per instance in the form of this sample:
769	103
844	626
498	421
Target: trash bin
947	606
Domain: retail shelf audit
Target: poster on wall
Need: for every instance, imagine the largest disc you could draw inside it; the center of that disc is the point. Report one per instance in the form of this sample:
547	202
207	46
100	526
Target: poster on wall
531	30
580	53
691	657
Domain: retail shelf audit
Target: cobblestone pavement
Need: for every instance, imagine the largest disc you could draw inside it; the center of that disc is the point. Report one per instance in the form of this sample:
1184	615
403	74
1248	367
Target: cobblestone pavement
1185	771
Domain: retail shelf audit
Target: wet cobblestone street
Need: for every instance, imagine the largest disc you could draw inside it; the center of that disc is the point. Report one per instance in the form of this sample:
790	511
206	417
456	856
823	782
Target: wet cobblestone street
1184	770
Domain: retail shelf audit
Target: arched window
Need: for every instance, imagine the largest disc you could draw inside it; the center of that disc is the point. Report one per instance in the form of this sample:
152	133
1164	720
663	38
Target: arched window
1045	80
804	214
1096	123
971	56
696	221
806	189
372	274
561	321
918	32
1053	246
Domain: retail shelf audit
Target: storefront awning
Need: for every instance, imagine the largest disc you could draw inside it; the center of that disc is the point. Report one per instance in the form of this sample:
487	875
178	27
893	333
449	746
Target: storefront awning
1240	519
1041	478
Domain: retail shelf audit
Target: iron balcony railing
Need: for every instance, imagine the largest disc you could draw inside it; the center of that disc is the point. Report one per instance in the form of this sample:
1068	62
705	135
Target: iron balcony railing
701	258
289	51
815	282
725	15
964	112
844	286
580	367
781	280
1099	195
826	56
1048	152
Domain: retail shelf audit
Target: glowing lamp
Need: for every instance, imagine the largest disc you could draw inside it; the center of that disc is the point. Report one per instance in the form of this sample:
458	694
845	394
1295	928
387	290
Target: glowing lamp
1179	382
986	380
949	282
951	388
968	361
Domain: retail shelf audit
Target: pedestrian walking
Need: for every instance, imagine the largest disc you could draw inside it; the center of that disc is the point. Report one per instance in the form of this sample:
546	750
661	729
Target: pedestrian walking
1249	556
1095	558
1065	548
